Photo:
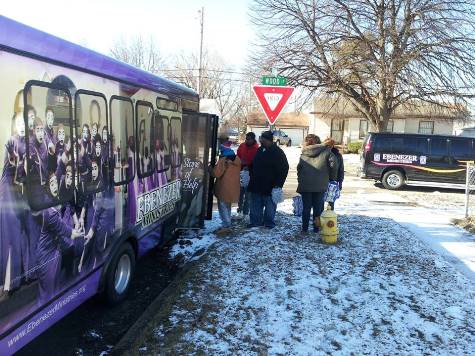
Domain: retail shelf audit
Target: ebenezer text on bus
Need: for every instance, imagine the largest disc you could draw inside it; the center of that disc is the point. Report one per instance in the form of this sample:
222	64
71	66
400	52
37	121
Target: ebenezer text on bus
153	205
399	158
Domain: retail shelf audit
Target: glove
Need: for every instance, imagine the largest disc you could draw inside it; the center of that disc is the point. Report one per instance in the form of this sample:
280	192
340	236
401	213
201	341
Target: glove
277	195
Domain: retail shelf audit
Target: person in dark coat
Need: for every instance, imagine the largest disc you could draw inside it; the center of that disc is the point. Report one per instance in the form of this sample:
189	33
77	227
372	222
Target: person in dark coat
317	166
340	176
269	170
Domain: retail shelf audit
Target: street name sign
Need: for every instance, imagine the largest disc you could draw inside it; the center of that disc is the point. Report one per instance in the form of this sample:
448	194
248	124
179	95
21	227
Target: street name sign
272	99
271	80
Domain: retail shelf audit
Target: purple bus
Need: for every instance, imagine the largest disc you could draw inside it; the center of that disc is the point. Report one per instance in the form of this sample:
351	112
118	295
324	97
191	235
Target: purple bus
101	162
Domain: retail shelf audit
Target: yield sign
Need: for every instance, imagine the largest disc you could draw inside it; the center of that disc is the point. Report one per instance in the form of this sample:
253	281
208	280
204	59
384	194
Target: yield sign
272	99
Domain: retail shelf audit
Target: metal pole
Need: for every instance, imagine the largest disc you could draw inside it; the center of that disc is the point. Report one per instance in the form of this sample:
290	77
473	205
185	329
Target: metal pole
467	190
201	51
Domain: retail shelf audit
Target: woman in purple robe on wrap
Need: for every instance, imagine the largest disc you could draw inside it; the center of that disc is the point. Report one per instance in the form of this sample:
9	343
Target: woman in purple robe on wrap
14	254
86	143
105	149
160	172
49	131
55	237
133	187
146	165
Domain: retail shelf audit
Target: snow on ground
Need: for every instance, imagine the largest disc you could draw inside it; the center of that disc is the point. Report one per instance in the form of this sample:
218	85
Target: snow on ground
191	245
379	291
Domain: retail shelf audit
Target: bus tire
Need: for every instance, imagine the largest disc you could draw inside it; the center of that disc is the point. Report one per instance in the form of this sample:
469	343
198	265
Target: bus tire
277	142
119	275
393	180
289	143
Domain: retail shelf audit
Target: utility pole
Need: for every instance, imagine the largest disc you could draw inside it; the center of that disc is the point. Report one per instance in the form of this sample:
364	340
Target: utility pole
200	69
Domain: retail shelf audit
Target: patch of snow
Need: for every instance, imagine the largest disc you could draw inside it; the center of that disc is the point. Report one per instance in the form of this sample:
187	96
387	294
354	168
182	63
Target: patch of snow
380	290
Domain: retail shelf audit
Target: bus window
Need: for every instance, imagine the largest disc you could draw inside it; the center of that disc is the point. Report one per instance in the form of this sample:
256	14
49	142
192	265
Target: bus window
144	115
439	152
176	148
50	168
162	145
462	149
123	139
92	149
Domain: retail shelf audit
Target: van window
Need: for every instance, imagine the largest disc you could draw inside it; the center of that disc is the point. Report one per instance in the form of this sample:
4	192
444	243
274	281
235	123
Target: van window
123	139
462	149
176	148
38	134
439	152
92	153
398	144
144	115
161	129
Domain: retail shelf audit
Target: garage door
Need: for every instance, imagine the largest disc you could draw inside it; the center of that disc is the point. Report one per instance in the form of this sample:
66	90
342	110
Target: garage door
296	135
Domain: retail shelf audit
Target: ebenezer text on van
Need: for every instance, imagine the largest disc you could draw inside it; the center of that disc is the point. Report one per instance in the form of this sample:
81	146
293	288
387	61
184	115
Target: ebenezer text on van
399	158
153	205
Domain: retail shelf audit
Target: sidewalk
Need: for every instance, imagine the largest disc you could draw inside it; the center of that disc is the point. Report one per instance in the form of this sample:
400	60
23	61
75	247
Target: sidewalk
381	290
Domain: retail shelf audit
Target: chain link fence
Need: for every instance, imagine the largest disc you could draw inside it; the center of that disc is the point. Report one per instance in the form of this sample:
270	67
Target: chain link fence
470	190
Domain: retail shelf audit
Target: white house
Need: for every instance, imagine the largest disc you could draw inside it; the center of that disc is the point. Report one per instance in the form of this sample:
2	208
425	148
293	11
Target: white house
340	120
295	125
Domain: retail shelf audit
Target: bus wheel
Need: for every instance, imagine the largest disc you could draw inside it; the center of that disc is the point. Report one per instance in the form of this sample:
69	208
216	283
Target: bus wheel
289	143
277	142
119	275
393	180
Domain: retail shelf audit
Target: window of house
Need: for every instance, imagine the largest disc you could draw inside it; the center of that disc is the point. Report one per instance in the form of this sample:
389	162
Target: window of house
390	126
123	139
337	129
40	140
426	127
92	152
363	129
145	141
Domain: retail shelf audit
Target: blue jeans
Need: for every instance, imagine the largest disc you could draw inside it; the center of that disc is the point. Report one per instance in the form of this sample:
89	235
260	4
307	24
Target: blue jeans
262	210
243	205
225	213
309	201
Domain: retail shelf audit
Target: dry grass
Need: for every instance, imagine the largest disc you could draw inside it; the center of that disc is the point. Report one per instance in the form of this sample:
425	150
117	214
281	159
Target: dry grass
466	223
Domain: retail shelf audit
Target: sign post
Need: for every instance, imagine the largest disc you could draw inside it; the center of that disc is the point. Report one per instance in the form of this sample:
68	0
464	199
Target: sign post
272	99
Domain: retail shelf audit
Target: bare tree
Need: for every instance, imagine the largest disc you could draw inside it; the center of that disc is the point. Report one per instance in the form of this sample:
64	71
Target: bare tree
377	54
219	81
139	53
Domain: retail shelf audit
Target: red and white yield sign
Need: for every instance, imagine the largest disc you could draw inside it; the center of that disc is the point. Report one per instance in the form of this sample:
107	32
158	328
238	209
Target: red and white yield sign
272	99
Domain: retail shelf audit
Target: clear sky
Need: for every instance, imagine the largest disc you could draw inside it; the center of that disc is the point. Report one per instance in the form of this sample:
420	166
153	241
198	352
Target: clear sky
173	23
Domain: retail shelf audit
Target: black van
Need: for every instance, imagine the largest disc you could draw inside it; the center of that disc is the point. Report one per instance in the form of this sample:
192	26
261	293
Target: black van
429	160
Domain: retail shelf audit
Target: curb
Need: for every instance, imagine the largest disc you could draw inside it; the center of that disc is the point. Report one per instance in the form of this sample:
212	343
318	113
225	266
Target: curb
123	346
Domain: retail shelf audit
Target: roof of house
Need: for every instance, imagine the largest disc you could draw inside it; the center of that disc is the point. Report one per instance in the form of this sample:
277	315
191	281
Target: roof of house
290	119
342	108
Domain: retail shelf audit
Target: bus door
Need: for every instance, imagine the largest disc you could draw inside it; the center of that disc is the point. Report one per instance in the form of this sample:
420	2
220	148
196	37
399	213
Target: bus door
199	133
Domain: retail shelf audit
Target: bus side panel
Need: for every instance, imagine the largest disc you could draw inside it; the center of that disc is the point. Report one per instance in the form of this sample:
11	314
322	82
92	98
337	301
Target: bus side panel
49	315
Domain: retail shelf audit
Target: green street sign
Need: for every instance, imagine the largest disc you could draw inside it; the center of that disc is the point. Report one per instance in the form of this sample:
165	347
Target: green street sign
278	81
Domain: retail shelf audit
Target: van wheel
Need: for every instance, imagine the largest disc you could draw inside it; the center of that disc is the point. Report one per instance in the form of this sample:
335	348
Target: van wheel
393	180
289	143
119	275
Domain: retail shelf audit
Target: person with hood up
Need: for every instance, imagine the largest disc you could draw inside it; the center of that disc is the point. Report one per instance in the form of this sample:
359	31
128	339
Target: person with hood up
340	175
269	172
227	185
317	166
246	152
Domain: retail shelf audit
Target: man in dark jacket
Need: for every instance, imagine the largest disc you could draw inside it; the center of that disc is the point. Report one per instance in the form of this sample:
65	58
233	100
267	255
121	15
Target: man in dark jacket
340	175
269	170
316	168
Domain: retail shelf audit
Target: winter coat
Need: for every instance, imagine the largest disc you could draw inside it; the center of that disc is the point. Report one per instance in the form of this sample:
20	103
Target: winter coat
317	166
269	170
247	153
227	173
340	176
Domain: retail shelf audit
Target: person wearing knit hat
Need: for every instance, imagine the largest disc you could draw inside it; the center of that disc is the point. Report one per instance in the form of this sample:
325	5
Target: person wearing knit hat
227	187
268	173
